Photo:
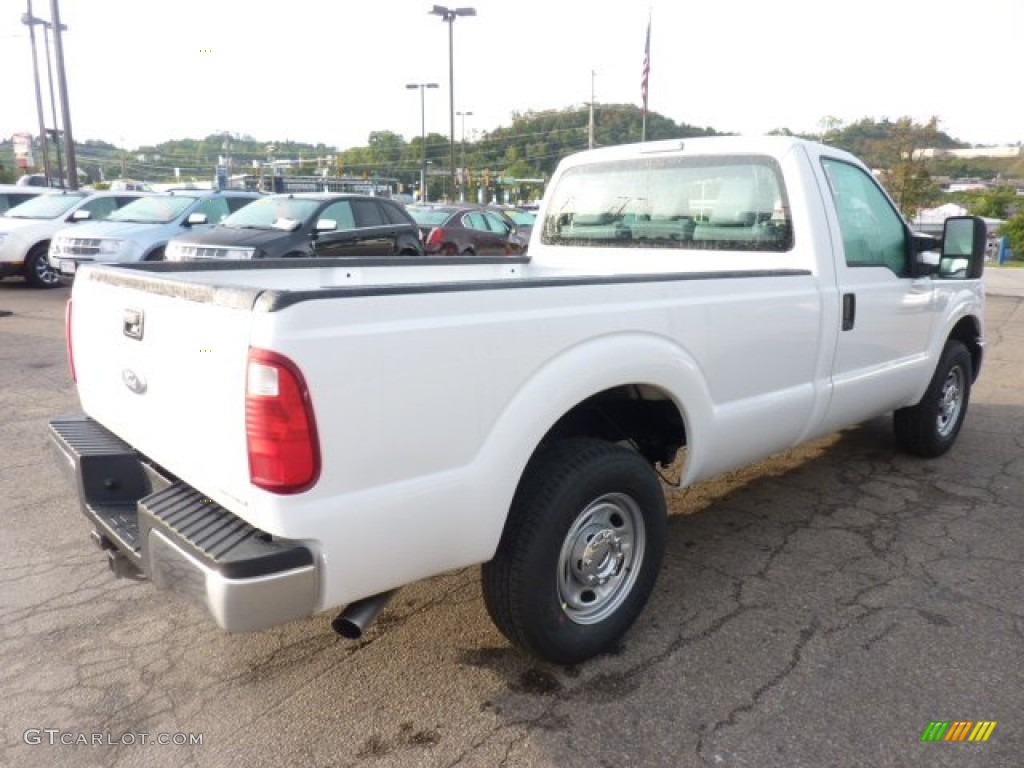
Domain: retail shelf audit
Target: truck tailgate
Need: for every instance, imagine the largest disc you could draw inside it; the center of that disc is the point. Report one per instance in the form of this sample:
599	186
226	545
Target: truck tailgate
162	365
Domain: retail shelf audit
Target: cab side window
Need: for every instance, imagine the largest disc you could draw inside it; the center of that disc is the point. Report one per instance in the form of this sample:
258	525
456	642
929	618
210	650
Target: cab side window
496	223
100	207
237	203
341	212
873	232
367	213
215	209
475	220
394	214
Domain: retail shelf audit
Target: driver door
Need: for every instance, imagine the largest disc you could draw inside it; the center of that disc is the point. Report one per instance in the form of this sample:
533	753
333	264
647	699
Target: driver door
886	313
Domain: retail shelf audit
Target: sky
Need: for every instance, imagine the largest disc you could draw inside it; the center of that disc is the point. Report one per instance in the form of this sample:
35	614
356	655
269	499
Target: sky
322	71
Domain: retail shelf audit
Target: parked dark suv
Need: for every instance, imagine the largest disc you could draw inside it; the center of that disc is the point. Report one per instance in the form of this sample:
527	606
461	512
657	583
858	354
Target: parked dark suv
306	224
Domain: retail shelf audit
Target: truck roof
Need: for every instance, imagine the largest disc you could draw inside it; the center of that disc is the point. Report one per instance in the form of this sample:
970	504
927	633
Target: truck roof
710	145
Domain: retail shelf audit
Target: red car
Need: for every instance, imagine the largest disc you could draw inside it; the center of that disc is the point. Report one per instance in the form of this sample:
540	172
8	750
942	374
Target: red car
466	230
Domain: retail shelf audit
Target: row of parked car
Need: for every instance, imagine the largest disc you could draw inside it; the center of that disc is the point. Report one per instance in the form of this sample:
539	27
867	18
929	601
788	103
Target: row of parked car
46	234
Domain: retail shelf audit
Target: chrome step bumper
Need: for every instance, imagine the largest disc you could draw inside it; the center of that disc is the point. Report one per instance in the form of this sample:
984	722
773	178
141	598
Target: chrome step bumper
163	529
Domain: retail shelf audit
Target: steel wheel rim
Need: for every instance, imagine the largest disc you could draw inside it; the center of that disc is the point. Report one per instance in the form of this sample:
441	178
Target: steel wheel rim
951	401
600	558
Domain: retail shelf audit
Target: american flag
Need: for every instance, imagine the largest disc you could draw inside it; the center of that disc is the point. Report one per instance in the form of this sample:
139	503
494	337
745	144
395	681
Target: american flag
647	66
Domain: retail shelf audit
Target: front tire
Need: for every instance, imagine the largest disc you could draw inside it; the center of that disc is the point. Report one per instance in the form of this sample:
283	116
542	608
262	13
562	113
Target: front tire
38	271
580	553
930	428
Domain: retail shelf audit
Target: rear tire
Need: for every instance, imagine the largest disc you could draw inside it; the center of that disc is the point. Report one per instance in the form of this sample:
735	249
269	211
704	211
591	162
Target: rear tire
38	271
580	552
931	427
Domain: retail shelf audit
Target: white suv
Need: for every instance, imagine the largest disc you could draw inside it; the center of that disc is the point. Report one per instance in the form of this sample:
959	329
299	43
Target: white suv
26	229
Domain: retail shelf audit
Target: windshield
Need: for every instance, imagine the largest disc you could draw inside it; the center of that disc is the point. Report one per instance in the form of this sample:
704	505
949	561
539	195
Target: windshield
45	206
429	217
272	212
158	209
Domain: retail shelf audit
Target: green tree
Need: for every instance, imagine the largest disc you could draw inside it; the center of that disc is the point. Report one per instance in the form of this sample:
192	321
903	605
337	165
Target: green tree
1013	229
994	203
905	171
385	149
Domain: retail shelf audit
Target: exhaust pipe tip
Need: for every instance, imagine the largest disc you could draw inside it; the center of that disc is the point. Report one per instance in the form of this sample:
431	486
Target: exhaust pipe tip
353	622
346	628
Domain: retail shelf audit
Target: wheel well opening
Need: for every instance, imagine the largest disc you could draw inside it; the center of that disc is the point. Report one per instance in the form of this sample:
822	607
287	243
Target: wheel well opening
640	414
968	333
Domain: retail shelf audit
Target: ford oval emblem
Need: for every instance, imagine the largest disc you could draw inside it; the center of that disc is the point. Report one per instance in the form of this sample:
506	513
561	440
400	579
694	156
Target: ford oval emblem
134	381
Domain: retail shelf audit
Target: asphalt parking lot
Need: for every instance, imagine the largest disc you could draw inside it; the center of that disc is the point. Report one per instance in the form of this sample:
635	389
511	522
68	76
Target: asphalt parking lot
818	609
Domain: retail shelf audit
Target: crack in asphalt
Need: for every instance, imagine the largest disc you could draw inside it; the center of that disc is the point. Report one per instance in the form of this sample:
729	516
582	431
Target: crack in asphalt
803	638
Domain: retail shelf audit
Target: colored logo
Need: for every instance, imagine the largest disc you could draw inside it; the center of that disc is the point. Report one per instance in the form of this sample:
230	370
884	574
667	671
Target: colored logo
958	730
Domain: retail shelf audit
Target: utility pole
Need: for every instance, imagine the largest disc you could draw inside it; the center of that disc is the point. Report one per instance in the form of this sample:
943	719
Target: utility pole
53	105
462	187
590	142
58	48
31	21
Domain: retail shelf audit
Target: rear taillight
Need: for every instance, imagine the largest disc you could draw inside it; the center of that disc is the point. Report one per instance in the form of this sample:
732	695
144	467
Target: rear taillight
67	341
284	453
436	236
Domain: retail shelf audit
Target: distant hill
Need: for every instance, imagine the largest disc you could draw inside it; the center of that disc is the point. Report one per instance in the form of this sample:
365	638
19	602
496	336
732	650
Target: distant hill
530	147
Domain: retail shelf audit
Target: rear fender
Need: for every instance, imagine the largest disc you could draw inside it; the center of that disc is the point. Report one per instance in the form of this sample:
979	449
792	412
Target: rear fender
571	378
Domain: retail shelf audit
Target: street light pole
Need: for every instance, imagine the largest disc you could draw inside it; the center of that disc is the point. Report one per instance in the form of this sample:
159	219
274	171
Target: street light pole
449	15
423	138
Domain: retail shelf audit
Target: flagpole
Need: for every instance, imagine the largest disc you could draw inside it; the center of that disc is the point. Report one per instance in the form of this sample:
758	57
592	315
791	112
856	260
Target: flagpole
644	81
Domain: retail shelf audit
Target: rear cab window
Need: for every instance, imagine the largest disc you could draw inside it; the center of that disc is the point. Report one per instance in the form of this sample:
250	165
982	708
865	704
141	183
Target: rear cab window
731	203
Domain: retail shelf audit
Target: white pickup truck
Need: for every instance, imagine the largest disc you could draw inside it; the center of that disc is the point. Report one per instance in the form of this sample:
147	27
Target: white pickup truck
281	438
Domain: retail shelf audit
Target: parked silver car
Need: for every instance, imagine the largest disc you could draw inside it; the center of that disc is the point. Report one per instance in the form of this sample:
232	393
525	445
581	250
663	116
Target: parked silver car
141	231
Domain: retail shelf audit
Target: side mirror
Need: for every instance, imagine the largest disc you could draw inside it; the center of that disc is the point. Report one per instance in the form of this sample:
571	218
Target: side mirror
326	225
963	248
195	218
81	215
